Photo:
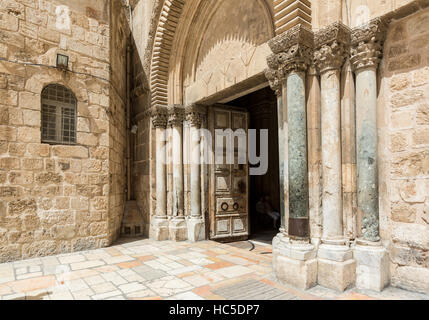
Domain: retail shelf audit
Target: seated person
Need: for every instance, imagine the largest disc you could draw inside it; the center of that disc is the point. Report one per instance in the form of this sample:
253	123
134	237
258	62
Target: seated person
264	207
270	212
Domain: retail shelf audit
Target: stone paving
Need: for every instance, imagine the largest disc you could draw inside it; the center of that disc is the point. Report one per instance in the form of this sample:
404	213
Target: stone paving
149	270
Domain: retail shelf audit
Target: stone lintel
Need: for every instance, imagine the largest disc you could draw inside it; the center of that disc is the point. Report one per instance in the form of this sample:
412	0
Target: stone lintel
331	47
367	44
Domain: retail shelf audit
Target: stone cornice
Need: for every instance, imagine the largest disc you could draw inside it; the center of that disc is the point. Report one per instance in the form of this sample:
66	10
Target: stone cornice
367	44
159	116
195	115
292	52
176	115
332	47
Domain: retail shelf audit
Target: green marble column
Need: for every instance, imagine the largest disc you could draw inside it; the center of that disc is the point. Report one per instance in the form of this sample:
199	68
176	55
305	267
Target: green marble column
282	161
297	156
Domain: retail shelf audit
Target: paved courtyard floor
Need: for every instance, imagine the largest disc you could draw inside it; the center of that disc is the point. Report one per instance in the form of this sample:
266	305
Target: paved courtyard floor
145	269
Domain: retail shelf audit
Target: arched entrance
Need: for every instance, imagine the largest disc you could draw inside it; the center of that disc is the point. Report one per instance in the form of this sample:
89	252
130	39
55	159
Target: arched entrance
207	54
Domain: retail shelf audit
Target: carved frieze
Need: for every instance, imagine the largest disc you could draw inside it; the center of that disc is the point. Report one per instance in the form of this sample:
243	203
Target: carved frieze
159	117
331	47
367	44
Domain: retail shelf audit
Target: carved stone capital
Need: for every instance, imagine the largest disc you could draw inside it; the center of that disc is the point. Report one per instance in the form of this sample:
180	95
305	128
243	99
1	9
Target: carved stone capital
176	115
332	46
367	44
275	80
159	117
292	51
196	115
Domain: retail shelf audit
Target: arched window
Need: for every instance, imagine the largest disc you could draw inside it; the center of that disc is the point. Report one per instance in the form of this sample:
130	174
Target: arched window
58	115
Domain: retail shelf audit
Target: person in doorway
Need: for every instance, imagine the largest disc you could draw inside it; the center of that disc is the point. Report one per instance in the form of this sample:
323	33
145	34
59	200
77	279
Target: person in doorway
264	207
270	212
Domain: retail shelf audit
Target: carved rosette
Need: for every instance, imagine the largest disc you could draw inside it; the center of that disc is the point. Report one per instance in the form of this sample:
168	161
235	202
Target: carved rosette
292	52
176	115
159	117
332	46
367	44
196	115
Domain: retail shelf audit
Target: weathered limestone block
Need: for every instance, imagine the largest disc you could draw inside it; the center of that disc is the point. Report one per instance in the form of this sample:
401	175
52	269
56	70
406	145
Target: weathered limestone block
294	263
336	275
372	267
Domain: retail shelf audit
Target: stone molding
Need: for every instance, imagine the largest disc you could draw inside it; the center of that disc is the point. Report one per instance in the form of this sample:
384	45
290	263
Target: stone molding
332	47
292	52
196	115
159	117
176	116
367	44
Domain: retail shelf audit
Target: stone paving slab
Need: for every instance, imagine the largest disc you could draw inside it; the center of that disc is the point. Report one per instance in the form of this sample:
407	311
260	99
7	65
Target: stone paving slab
149	270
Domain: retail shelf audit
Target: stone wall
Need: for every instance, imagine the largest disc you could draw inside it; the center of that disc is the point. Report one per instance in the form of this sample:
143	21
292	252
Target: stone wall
405	147
119	40
55	198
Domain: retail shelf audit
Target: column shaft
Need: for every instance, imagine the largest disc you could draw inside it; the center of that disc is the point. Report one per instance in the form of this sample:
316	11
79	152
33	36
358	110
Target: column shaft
366	132
178	195
161	174
297	156
195	173
331	155
282	162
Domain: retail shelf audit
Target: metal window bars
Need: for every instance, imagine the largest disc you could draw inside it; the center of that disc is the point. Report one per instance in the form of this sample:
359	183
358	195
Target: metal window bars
58	115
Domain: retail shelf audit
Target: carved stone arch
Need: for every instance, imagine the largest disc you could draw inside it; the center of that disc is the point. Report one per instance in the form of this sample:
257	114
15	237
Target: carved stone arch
166	69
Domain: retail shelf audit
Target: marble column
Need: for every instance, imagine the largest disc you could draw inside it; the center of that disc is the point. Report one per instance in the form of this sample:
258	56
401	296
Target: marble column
372	258
196	223
177	227
336	266
297	156
159	222
294	257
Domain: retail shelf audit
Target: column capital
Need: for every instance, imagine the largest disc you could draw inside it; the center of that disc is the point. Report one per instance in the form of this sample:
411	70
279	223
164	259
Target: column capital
367	44
292	52
196	114
176	115
332	46
159	116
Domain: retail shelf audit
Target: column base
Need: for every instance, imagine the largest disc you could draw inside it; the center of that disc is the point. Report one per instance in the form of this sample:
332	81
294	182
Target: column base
178	230
372	270
158	229
294	263
336	267
196	230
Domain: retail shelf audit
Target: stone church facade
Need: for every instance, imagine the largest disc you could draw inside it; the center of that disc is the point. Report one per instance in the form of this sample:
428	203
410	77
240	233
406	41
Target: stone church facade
92	92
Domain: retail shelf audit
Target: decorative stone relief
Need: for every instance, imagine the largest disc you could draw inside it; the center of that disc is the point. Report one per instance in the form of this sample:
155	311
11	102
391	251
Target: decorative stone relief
159	117
331	45
292	51
367	44
196	115
176	115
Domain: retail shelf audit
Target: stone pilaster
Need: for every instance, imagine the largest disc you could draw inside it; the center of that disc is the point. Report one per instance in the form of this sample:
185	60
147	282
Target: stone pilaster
177	227
294	257
196	224
336	267
159	222
366	52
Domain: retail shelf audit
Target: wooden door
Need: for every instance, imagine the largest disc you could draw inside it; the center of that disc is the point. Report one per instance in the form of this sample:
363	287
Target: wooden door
229	183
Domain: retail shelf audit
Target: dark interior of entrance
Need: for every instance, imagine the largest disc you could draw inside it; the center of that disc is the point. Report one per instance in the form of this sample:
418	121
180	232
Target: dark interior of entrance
262	108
